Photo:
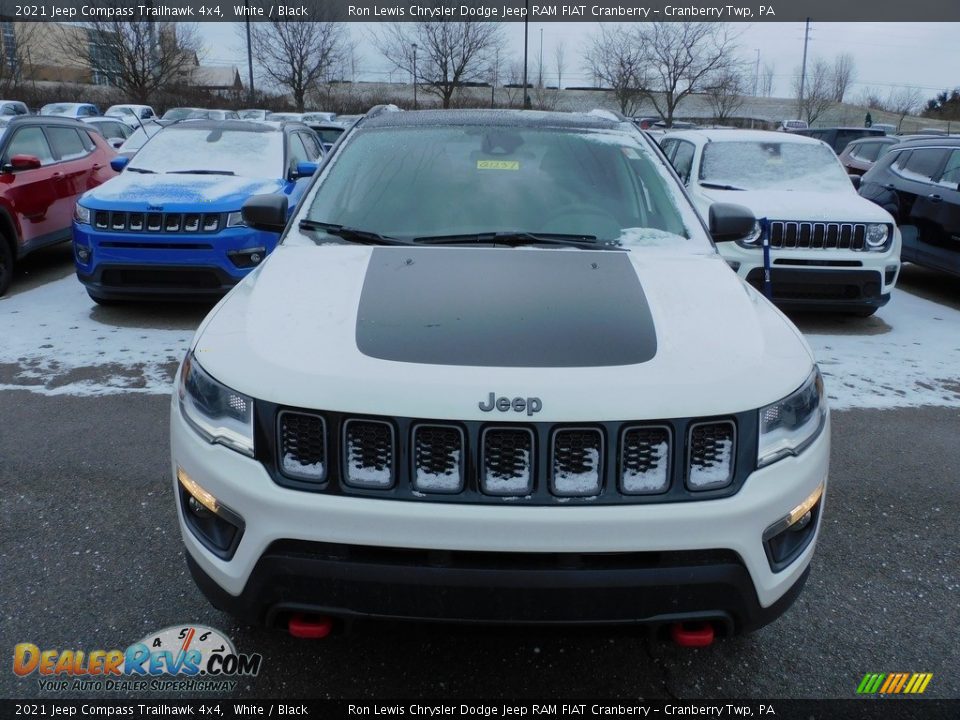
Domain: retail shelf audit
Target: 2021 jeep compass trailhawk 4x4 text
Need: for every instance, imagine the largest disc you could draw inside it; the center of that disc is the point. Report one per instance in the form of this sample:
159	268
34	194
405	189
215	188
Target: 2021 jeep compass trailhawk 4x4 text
542	397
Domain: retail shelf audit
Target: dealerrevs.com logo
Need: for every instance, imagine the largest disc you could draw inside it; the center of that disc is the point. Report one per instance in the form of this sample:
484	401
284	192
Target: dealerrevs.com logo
189	658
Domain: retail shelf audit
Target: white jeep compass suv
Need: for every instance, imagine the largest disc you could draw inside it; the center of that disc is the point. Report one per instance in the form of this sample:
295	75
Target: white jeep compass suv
496	371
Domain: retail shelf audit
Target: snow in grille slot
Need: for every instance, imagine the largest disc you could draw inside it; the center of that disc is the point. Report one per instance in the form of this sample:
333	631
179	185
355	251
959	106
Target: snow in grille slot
711	461
437	454
645	460
507	462
576	462
369	454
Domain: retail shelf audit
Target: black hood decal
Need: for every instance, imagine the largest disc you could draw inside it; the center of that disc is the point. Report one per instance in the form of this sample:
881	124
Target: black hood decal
504	307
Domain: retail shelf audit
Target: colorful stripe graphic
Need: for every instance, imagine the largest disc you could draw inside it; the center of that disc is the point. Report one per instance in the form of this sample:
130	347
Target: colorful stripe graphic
894	683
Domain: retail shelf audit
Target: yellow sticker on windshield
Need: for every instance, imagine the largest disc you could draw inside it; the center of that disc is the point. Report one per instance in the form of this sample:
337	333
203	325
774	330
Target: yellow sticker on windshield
498	165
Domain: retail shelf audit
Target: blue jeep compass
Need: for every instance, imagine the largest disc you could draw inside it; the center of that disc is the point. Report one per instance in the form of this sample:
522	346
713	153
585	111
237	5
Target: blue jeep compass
169	226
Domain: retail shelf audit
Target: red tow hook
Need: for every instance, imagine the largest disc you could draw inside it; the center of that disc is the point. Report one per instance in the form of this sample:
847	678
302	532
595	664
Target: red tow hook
692	634
310	627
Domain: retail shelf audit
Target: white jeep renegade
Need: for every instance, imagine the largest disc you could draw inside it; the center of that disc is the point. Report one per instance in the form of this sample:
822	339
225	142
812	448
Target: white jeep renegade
496	371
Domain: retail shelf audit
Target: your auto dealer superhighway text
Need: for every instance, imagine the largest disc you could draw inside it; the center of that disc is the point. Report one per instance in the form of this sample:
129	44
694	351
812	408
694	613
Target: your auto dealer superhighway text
431	711
571	11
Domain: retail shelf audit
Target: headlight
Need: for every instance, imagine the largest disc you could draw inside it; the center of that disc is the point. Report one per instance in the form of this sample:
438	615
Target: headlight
81	214
789	426
217	413
877	235
753	237
235	219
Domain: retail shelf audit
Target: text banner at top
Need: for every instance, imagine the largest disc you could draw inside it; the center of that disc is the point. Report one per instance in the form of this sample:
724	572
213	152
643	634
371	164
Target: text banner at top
478	10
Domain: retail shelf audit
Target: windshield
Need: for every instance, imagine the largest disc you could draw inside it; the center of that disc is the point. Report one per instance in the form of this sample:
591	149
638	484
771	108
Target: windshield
59	109
120	110
423	182
212	151
328	135
773	166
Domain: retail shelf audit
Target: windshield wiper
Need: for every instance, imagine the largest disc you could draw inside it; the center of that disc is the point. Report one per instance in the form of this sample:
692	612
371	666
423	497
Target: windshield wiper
140	170
200	172
517	238
356	235
718	186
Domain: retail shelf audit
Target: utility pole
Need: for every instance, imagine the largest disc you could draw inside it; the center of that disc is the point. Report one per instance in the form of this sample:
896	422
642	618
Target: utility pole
756	84
526	38
249	54
540	81
803	71
414	76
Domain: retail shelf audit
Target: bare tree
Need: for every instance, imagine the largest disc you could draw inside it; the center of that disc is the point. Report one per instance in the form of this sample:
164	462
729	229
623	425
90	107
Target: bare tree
681	58
871	98
15	58
559	57
298	56
615	60
766	79
139	57
904	101
725	93
818	94
842	76
449	54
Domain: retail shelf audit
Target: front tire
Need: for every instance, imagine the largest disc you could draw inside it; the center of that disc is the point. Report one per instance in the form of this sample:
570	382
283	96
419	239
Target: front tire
6	265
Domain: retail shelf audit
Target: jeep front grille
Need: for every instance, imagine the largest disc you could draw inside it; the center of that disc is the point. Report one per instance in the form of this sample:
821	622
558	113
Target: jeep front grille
788	235
534	463
158	222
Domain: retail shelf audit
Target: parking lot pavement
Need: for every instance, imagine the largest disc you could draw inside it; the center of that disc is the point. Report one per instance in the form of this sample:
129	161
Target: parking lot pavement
90	554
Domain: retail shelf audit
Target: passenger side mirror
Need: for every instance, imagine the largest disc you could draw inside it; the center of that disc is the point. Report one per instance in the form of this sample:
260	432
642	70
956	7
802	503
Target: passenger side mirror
304	169
730	222
115	143
266	212
22	162
855	179
119	163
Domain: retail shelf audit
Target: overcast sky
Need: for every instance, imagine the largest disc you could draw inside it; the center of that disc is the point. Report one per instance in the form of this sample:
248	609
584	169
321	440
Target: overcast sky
921	55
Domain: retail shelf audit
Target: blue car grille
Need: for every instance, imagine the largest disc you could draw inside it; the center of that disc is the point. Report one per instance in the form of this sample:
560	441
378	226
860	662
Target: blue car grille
159	222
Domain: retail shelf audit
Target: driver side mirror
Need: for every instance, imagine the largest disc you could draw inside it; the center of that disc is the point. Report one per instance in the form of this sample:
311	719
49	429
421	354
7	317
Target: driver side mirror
119	162
22	162
304	169
730	222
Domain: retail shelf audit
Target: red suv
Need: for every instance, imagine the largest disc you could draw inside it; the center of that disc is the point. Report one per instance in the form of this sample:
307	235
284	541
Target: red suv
46	163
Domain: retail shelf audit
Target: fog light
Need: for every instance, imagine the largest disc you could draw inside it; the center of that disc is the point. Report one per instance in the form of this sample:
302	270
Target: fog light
248	257
787	538
83	253
217	527
890	274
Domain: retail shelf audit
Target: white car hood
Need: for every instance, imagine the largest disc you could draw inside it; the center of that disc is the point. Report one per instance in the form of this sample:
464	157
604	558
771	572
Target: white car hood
843	206
289	334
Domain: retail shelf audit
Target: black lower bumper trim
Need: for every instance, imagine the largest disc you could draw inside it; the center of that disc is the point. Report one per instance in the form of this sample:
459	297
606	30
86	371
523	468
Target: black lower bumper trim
672	587
823	289
132	282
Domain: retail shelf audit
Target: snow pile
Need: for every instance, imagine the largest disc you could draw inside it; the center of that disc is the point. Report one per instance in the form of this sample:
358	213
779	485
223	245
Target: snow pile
446	481
292	464
54	340
717	472
515	484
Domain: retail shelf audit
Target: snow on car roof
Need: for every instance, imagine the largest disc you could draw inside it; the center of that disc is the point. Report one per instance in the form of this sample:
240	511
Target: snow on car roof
509	118
764	136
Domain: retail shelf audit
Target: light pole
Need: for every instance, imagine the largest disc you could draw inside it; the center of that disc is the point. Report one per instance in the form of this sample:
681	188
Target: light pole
249	53
414	76
526	37
540	81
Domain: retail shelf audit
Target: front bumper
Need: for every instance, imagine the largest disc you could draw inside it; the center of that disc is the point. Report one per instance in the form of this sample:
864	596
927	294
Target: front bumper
830	280
129	265
352	556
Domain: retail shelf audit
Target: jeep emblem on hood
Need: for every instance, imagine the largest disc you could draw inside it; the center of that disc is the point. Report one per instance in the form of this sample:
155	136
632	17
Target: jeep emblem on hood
518	404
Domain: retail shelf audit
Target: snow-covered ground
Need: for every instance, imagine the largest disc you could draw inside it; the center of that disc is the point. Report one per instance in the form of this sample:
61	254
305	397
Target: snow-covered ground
55	340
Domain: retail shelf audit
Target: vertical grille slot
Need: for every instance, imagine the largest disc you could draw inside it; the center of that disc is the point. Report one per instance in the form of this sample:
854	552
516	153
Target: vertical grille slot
118	221
154	222
211	223
102	219
506	461
191	223
172	222
368	454
645	460
136	222
711	455
577	461
438	457
302	440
